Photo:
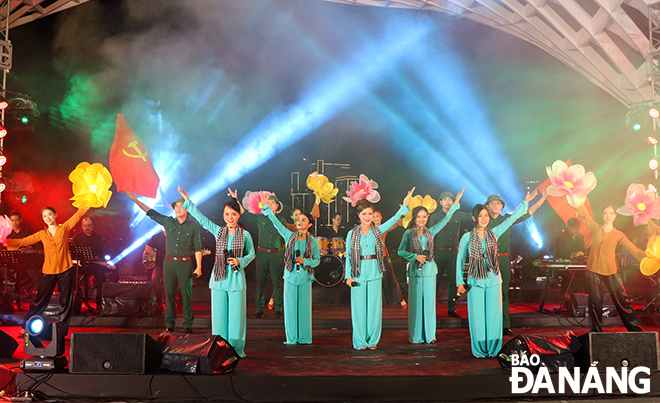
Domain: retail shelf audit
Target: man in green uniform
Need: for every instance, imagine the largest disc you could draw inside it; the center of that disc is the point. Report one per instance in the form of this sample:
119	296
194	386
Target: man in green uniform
182	238
495	204
446	246
270	256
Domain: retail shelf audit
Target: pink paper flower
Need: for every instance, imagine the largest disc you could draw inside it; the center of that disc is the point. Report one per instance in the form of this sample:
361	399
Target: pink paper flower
252	201
571	182
641	204
5	229
365	188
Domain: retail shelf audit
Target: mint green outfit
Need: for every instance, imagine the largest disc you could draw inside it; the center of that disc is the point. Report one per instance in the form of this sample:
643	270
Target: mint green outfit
228	295
181	241
297	286
485	295
422	285
267	262
367	297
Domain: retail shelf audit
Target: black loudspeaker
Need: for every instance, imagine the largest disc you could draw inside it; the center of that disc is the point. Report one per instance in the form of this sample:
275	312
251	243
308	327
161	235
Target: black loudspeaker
580	306
197	354
618	349
7	345
125	299
114	353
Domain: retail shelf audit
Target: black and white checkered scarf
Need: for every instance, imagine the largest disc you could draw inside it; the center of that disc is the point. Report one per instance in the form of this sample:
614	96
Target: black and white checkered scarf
477	269
221	252
416	243
289	253
355	250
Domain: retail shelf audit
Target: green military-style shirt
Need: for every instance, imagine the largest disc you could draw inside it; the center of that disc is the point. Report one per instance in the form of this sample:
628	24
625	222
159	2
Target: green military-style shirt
181	239
449	236
269	238
503	240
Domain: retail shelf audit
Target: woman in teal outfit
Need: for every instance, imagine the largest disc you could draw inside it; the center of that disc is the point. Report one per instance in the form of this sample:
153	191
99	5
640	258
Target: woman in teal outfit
234	251
300	258
484	279
417	248
364	274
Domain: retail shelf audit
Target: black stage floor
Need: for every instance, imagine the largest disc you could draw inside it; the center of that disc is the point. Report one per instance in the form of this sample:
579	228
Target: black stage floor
328	370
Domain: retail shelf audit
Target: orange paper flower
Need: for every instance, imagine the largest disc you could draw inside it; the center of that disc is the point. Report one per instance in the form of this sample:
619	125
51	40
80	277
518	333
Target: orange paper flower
91	185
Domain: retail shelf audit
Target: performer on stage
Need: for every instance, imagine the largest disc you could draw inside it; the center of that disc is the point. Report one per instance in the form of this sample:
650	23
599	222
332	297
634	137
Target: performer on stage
484	278
300	258
603	269
364	271
570	244
270	255
417	248
495	204
335	230
90	238
446	246
181	241
233	253
27	265
156	243
391	289
57	263
315	214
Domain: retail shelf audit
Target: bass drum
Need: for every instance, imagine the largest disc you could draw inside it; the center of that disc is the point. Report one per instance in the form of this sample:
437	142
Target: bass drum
329	272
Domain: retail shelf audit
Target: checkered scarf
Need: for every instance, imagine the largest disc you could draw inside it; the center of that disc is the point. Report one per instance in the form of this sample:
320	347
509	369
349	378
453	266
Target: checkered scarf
416	243
290	247
355	250
221	252
477	269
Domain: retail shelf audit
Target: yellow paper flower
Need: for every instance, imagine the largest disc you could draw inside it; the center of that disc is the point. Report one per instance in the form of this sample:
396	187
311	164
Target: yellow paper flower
427	201
91	185
321	187
651	263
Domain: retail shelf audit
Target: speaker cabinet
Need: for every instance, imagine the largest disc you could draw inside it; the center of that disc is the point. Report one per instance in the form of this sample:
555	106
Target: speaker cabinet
114	353
7	345
618	349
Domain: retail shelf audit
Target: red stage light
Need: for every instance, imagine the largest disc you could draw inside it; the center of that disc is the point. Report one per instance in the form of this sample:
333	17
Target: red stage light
653	164
3	132
654	113
2	186
652	140
653	188
3	160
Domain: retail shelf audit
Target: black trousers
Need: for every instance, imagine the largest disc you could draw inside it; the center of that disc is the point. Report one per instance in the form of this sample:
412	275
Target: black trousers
65	284
595	283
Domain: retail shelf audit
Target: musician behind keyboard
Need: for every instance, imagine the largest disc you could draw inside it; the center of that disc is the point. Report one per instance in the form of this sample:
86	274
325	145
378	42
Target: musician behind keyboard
570	243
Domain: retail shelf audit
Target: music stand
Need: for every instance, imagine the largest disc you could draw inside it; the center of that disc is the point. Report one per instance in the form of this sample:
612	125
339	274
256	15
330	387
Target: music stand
8	258
81	254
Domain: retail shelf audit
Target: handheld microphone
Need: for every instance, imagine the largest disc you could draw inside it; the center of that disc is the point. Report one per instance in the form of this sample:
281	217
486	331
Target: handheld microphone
297	264
354	284
228	256
467	288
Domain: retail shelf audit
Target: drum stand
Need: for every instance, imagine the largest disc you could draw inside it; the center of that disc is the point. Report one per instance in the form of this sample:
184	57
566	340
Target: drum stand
81	254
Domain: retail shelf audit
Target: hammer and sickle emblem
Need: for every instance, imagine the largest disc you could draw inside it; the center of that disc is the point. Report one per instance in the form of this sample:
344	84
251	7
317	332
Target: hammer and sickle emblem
140	154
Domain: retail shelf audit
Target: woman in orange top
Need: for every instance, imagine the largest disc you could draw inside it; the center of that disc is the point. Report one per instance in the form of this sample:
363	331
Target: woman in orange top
603	270
57	263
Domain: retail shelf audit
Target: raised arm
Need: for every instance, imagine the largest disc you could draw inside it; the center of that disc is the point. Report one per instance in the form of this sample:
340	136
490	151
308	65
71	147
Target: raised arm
587	219
71	222
538	204
284	231
440	225
207	224
141	205
234	194
630	247
506	224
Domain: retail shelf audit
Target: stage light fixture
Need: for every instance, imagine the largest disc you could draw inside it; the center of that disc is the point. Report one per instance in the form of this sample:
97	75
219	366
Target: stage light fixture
24	199
3	132
4	104
651	187
38	330
2	186
652	140
3	160
653	164
654	113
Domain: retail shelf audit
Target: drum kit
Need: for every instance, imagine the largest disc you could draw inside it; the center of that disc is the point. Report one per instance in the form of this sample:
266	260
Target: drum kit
330	271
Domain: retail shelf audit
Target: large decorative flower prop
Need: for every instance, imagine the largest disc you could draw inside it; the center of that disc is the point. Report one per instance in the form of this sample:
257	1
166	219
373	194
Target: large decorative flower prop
426	201
651	263
91	185
321	187
5	229
252	201
571	182
365	188
641	204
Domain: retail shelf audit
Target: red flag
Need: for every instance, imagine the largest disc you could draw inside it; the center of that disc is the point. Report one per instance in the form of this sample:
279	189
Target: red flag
130	162
566	211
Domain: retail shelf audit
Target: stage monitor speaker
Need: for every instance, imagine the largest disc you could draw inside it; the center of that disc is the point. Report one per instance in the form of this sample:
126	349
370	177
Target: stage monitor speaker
581	306
197	354
7	345
618	349
114	353
128	299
